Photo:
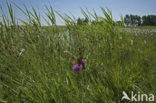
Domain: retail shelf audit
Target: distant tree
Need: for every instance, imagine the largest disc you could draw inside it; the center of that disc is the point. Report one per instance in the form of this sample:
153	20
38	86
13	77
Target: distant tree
127	20
132	20
86	20
153	19
149	20
139	20
82	21
79	21
119	23
144	20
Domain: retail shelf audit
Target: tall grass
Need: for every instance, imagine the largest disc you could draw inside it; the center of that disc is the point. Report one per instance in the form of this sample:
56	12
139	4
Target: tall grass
42	73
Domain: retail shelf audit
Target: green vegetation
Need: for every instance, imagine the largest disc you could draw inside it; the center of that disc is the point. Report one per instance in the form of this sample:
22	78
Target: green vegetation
142	27
36	62
149	20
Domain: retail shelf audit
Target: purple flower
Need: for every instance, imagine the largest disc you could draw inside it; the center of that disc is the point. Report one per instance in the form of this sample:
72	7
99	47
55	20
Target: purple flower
77	67
78	64
22	50
83	61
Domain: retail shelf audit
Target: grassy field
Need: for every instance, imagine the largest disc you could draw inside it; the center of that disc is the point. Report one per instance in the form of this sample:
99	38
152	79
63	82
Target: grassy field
36	62
143	27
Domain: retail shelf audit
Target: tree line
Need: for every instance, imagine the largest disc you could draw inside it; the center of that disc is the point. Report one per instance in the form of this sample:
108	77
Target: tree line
129	20
135	20
81	21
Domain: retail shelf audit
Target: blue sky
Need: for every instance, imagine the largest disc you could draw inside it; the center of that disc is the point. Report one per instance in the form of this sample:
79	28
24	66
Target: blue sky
118	7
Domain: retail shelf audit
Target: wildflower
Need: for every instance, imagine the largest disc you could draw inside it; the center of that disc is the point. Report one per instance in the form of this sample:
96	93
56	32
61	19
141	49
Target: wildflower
22	50
83	61
74	62
78	64
77	67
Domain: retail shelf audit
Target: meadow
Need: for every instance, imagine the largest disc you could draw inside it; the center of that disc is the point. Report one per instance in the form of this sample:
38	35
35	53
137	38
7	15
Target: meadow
36	62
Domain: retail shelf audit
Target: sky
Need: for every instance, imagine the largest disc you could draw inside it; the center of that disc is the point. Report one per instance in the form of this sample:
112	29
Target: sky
118	7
